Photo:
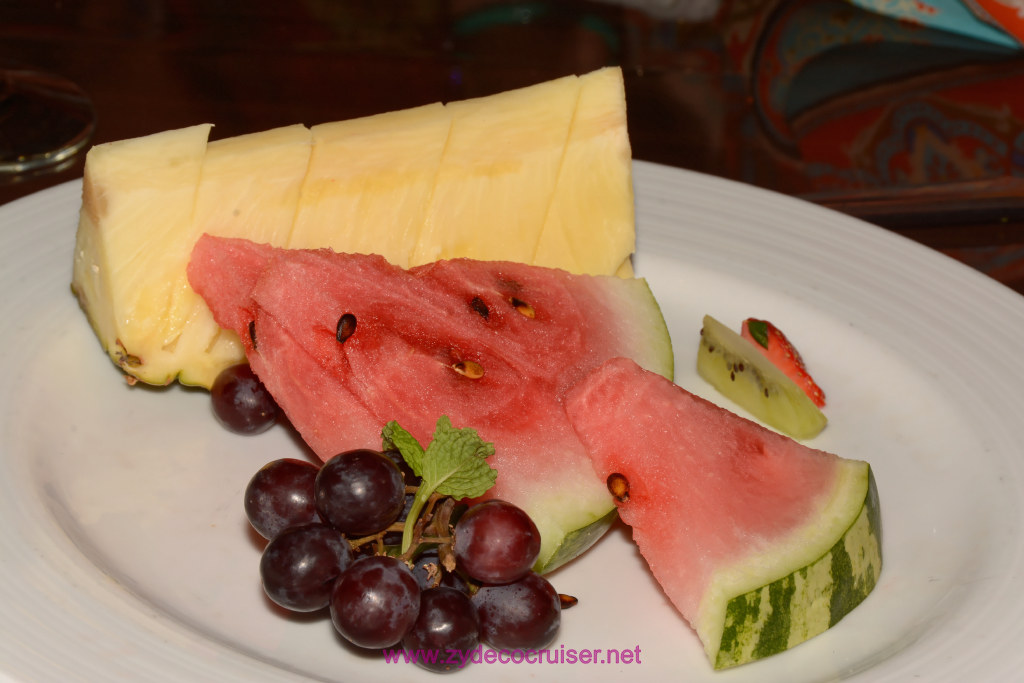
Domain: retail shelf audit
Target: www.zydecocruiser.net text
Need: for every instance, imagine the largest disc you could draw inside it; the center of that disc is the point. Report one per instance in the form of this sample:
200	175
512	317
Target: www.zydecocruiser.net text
482	655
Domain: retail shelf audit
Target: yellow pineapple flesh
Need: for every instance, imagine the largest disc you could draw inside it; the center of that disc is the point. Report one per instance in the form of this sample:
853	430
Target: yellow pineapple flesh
249	187
369	182
581	234
498	174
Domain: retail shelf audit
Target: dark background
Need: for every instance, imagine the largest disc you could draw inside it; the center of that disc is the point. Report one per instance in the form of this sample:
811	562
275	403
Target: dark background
699	88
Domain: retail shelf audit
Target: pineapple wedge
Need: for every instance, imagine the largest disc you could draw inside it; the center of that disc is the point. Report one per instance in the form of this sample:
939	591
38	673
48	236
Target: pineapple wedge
539	175
137	200
145	203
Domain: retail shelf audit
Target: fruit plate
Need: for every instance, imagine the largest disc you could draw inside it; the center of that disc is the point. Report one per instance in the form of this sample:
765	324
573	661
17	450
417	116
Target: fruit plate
126	556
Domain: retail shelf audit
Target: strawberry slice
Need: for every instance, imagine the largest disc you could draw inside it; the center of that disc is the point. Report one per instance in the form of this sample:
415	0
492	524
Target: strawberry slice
780	351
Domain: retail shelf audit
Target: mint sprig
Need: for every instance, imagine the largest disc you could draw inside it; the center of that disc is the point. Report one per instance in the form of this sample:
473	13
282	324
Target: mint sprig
453	464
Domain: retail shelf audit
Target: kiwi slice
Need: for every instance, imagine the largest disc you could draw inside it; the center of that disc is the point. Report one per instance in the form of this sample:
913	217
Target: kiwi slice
733	366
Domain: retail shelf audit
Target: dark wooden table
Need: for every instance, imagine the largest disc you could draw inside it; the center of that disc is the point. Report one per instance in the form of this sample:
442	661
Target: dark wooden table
916	130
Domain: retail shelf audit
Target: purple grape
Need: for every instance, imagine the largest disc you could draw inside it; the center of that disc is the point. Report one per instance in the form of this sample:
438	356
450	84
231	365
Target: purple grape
496	542
523	615
280	495
375	601
360	492
447	625
300	565
240	401
410	477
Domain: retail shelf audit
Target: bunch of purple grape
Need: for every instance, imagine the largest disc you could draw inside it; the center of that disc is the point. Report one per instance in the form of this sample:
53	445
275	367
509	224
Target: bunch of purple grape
465	580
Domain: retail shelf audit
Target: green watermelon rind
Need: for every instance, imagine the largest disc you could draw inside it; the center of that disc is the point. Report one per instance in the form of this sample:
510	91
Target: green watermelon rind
810	599
663	359
577	542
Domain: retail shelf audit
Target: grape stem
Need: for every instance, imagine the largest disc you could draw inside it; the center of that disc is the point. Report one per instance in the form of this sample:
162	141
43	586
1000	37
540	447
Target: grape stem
356	542
426	523
423	502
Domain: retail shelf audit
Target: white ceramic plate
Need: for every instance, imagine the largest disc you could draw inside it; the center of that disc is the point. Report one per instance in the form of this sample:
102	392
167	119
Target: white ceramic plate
125	556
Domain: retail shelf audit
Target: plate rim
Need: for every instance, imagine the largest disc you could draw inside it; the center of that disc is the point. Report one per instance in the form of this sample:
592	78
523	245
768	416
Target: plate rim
654	185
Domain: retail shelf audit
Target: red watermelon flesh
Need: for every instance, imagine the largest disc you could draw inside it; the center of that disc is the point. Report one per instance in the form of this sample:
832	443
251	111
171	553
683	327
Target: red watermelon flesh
533	331
730	516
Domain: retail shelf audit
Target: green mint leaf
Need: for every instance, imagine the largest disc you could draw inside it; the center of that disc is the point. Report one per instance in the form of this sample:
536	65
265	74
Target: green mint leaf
759	331
395	437
454	464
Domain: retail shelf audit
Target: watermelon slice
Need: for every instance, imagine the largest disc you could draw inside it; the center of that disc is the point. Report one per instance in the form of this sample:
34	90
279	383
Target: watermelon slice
759	541
347	342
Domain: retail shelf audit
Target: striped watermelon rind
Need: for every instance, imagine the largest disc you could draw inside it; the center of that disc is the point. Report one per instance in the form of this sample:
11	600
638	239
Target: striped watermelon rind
779	614
760	542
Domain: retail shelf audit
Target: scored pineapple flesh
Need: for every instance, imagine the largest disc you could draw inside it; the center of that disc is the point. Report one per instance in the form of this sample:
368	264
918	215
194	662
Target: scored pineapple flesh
538	175
498	174
249	187
369	182
596	164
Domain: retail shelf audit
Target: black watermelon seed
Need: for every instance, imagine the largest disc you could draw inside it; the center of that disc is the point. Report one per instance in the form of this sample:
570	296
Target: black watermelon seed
346	327
478	305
